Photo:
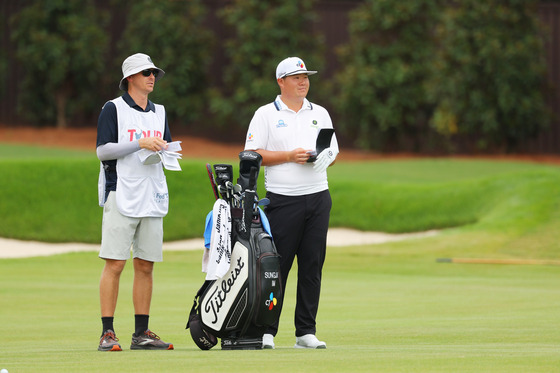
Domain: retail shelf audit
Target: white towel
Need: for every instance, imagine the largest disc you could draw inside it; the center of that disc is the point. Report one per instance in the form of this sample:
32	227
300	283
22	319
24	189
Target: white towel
216	260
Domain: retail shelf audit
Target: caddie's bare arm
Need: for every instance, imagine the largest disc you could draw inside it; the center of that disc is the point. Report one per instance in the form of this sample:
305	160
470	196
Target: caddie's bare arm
272	158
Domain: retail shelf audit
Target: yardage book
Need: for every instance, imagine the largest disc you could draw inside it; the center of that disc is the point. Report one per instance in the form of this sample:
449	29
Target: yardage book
169	157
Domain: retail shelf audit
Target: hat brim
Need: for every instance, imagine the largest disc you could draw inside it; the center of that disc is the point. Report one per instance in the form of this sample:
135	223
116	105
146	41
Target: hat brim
123	86
308	72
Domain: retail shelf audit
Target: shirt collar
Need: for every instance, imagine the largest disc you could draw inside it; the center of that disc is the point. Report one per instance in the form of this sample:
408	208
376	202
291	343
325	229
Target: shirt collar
281	106
132	104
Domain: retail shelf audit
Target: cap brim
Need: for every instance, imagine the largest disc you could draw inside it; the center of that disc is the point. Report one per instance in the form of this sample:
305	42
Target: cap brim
308	72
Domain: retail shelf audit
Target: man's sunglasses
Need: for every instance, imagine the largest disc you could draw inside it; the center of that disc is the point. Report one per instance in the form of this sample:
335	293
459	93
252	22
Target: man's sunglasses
148	72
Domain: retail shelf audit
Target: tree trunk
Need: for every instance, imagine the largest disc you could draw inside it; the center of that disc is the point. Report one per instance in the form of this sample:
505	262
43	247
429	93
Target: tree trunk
61	109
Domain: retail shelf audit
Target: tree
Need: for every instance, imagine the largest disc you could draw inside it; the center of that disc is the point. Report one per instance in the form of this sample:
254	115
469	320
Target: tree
382	94
61	46
173	34
263	34
3	59
489	72
443	70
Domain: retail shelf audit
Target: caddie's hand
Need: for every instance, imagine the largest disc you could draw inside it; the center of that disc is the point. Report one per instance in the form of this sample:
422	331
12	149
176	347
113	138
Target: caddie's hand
298	155
152	143
324	159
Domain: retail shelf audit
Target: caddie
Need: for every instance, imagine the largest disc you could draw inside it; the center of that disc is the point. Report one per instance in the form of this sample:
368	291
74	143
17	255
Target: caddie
134	197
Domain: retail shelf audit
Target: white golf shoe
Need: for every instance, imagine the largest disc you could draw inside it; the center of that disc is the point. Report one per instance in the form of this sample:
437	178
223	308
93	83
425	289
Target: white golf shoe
268	342
309	341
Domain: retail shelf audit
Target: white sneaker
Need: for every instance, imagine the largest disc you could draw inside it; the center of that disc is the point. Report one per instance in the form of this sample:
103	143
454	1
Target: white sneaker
309	341
268	342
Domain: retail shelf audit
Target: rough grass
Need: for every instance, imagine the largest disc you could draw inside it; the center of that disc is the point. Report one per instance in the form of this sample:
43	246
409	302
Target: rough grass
53	197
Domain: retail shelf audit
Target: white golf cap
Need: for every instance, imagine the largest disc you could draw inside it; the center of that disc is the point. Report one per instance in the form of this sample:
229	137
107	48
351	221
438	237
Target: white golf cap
136	63
292	66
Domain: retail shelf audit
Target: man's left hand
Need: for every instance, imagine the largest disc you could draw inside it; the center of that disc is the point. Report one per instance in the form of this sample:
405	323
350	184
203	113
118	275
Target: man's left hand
324	159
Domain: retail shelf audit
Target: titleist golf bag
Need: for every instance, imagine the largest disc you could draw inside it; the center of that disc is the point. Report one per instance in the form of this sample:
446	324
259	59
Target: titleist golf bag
239	307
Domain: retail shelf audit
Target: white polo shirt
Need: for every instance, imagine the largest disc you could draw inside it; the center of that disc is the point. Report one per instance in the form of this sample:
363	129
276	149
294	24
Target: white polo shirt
275	127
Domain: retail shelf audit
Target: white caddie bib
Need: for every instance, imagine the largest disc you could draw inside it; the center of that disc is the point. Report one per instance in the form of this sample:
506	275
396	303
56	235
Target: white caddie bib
141	189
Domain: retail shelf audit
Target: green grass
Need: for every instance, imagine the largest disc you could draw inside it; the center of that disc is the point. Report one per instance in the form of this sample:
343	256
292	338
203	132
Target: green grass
426	194
384	308
12	152
53	196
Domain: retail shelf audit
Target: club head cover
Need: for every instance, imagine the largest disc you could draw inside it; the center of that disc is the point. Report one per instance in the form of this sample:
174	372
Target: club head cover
249	160
224	172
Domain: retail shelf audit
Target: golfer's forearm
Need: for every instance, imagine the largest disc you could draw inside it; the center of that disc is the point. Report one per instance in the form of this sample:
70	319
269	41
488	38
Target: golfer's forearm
272	158
113	150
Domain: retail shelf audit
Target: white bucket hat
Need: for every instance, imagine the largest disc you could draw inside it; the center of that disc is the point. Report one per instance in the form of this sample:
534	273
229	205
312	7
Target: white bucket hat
136	63
292	66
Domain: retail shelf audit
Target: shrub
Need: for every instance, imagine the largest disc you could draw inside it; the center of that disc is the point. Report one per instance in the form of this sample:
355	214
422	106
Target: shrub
172	33
61	45
461	70
382	87
489	72
262	35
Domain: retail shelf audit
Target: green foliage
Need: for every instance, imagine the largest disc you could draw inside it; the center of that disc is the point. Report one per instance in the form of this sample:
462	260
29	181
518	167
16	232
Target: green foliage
263	34
489	72
417	75
3	57
473	68
382	85
172	33
61	45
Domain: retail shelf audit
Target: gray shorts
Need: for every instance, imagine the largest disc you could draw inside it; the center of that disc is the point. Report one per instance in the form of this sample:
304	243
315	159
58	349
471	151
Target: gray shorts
119	233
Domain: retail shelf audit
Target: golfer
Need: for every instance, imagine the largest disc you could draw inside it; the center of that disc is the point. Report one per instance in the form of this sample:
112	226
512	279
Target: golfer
134	197
284	132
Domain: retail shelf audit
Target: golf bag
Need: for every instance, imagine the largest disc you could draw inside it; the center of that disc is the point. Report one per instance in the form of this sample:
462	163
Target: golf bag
239	306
